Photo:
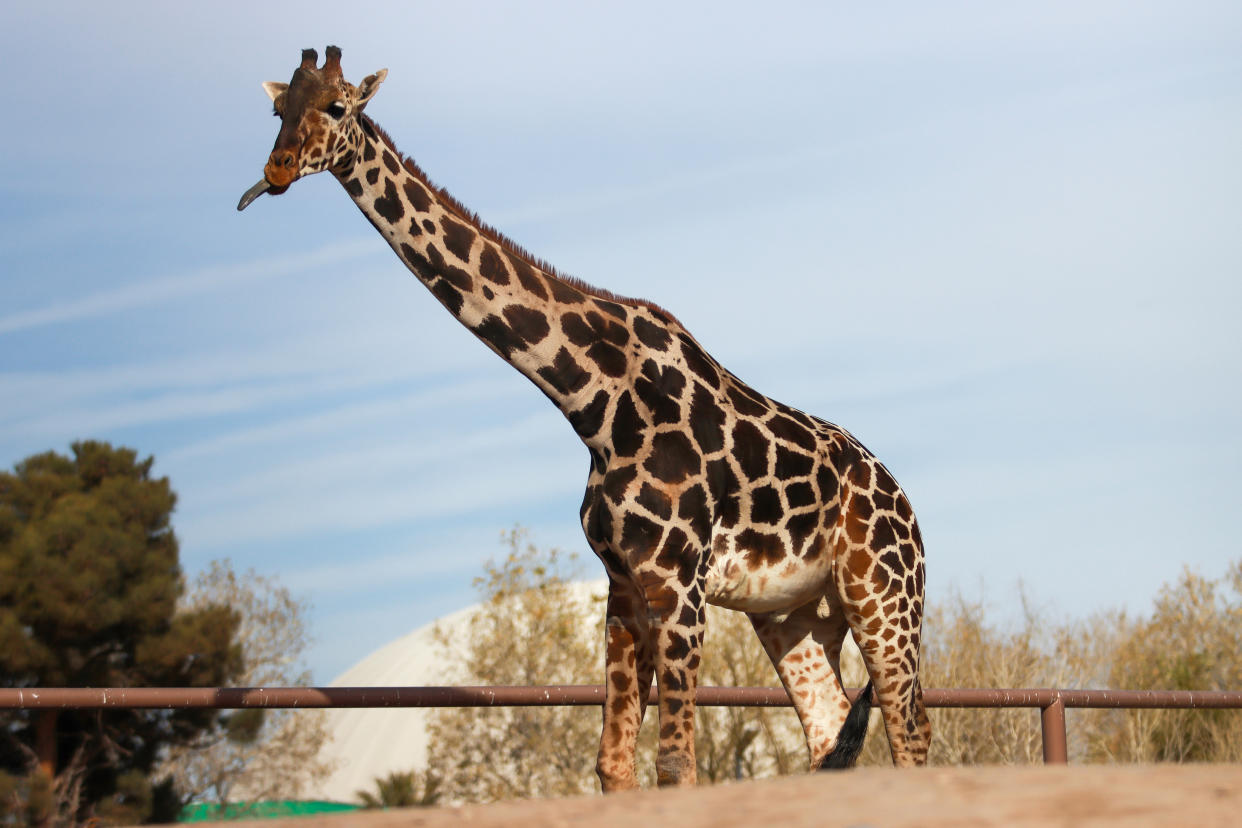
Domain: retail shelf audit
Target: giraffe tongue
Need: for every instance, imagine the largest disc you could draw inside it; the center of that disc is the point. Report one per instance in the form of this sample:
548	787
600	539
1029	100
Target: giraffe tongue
257	190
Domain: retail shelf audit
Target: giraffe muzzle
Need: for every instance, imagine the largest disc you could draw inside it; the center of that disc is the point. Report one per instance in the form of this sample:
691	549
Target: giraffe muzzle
282	168
280	171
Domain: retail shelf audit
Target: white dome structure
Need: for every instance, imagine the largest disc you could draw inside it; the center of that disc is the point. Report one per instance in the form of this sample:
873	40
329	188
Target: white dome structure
367	743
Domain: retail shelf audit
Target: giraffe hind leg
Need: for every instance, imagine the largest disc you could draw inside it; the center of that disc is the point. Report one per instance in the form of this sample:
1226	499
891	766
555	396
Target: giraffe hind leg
894	672
887	626
805	648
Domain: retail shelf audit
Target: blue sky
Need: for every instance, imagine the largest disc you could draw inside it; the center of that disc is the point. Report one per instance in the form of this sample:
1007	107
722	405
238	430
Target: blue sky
1001	245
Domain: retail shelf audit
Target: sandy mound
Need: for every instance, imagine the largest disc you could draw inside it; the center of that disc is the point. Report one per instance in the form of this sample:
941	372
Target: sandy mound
1144	795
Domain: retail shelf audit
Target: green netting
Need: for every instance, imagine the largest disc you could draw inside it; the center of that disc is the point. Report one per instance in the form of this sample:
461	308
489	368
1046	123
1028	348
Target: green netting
211	812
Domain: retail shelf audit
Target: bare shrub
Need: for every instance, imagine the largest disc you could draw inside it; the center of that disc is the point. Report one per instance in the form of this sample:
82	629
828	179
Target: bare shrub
1191	641
254	754
536	627
964	649
533	628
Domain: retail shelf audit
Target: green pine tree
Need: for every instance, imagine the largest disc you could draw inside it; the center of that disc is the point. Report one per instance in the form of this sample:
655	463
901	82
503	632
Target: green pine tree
89	582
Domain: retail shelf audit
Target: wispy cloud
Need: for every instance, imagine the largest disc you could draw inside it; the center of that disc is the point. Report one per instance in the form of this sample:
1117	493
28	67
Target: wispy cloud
169	288
462	554
313	364
133	400
392	476
347	418
384	455
434	494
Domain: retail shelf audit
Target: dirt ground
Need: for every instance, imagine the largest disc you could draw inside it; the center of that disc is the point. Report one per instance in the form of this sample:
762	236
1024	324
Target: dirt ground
960	797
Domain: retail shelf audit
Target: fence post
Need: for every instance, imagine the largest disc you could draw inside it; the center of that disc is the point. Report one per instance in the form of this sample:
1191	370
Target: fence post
1052	724
45	741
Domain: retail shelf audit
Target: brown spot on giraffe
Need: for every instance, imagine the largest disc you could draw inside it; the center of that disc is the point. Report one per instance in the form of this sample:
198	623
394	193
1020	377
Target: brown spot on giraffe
459	239
416	193
528	324
388	206
492	266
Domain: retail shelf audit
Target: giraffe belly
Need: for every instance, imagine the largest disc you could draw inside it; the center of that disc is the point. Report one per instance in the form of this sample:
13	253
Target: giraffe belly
738	580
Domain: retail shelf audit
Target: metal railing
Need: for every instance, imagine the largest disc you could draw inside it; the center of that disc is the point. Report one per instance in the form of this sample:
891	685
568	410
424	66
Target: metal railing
1051	702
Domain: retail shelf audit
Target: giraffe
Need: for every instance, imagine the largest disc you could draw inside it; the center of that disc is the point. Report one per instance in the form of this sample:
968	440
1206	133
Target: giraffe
700	489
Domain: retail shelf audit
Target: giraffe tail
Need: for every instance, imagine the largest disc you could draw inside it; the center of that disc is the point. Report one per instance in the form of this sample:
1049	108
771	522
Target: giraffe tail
853	734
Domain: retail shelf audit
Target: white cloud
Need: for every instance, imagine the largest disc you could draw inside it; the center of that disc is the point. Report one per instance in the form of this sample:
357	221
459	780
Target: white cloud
344	418
184	285
390	476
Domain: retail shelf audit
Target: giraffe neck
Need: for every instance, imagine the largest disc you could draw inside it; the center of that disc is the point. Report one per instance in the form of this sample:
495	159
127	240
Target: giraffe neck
573	342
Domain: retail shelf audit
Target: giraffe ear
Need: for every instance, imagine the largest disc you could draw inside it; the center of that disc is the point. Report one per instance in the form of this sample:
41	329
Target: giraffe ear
274	89
370	84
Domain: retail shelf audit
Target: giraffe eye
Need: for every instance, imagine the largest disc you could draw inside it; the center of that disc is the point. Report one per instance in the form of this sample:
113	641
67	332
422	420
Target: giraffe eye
336	109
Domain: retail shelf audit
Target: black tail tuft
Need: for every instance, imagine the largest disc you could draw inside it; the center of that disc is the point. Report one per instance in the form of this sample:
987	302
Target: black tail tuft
853	734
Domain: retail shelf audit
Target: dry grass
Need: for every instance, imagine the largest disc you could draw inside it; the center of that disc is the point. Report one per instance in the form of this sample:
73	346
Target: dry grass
1192	639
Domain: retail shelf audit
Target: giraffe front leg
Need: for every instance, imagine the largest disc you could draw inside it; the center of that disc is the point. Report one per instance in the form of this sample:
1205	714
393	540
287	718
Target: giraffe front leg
677	623
628	670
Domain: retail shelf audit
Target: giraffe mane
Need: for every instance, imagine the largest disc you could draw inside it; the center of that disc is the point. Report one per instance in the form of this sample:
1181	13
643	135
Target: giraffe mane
508	245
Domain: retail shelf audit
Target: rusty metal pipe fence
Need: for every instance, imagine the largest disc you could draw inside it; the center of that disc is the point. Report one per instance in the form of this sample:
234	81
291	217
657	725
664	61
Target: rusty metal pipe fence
1051	702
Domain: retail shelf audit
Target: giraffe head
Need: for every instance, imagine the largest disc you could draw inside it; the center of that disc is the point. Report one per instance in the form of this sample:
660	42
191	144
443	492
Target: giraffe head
319	126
